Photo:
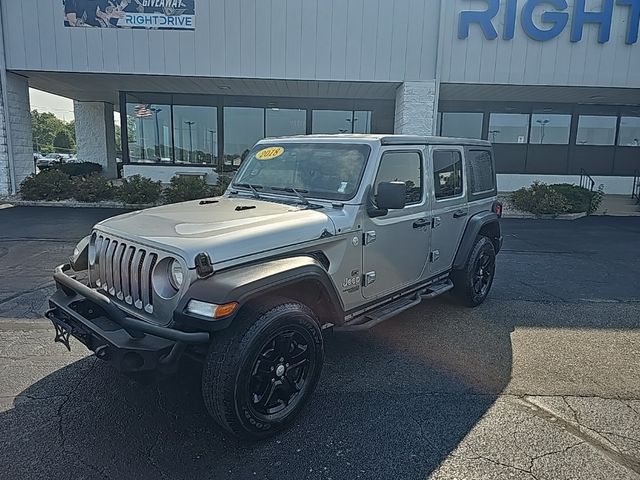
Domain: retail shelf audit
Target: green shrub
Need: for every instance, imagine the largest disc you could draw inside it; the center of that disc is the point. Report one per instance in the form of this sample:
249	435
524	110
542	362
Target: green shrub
47	185
578	198
93	188
221	186
540	199
183	189
82	169
139	190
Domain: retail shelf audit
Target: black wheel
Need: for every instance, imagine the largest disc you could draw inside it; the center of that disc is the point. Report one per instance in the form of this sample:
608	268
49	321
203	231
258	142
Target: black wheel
259	374
473	283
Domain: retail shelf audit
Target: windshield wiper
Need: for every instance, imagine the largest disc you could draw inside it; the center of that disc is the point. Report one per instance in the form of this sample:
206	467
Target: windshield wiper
293	190
254	188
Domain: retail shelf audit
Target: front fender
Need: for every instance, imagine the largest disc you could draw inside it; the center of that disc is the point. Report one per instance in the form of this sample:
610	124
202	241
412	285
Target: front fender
245	283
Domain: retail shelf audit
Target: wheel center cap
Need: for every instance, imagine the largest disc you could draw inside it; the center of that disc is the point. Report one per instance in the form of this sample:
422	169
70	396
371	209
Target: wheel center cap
280	370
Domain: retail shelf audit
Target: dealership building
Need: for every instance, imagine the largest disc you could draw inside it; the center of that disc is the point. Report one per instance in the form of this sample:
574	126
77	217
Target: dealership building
554	84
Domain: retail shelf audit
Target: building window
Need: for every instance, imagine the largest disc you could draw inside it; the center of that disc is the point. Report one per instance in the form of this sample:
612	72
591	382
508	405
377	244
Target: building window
195	133
550	129
462	125
596	130
243	127
481	177
509	128
447	172
402	167
341	121
629	132
283	122
149	131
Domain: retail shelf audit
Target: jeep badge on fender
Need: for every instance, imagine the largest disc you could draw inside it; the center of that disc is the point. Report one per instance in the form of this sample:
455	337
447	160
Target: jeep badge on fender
340	231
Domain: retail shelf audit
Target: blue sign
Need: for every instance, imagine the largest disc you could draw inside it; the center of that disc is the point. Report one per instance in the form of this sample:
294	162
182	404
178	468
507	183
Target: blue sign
555	19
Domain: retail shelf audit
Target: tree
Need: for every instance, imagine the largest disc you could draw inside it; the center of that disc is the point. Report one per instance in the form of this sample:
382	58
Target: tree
63	142
45	128
118	141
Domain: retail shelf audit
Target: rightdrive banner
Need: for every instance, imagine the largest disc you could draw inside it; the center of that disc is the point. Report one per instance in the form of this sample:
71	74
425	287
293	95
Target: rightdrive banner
149	14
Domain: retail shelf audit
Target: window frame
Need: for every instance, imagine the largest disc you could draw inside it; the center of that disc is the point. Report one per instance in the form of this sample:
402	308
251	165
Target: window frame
421	157
461	152
616	129
514	114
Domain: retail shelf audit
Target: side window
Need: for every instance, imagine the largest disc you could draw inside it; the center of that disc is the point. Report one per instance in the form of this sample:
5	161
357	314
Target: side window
481	176
402	167
447	172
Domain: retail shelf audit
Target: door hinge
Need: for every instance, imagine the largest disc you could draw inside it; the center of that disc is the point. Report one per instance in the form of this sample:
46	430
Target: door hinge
435	223
369	278
369	237
435	256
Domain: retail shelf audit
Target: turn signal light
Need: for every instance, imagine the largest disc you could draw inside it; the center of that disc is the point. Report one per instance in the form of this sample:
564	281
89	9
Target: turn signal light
211	310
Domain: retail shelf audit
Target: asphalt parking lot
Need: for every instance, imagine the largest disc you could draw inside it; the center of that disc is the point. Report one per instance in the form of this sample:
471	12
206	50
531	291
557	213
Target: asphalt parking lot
540	382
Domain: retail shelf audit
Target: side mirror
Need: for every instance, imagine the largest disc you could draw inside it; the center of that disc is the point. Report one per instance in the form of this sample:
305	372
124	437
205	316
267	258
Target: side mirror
391	195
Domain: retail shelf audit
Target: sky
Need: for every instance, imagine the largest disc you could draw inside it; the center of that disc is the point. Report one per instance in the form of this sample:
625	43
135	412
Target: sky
61	107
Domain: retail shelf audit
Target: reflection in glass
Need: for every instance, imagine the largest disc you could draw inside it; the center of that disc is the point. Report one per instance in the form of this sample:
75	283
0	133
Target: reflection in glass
596	130
447	174
341	121
509	128
195	131
629	132
149	132
243	127
284	122
402	167
462	125
550	129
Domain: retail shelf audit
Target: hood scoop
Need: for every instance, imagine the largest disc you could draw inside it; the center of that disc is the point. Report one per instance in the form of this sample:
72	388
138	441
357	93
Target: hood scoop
242	208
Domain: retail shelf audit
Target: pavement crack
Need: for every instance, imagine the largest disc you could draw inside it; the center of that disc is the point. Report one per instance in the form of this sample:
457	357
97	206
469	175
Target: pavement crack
554	452
150	459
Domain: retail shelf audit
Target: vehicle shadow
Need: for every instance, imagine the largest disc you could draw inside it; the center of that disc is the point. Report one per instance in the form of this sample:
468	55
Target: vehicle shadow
392	403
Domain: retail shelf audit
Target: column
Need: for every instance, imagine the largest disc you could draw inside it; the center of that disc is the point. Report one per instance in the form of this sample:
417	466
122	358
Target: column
95	135
416	108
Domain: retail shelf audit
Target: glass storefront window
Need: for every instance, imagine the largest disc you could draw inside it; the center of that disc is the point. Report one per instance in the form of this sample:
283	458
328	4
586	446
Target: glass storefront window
149	131
629	132
550	129
243	127
195	131
509	128
596	130
461	124
282	122
341	121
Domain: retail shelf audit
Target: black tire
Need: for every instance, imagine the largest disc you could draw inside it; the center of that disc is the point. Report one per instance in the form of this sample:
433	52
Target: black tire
473	283
259	374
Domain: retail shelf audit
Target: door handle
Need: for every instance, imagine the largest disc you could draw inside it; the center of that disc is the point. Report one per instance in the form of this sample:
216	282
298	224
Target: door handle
422	223
460	214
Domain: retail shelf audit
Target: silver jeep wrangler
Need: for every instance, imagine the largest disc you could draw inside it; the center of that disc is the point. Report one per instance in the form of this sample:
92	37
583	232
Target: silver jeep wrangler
315	232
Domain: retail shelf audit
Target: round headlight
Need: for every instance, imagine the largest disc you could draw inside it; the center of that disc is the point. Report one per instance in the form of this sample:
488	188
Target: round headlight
176	274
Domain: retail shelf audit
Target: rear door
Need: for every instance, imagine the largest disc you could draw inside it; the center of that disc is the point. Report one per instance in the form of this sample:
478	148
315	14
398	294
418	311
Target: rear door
450	209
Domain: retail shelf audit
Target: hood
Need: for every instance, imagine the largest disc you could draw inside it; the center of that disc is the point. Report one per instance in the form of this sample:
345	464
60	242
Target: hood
227	229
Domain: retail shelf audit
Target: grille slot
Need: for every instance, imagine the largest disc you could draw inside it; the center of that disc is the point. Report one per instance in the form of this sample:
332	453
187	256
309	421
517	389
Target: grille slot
124	271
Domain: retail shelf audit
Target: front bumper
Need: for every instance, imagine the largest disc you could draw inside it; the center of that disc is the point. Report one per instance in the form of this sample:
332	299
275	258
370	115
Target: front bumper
131	345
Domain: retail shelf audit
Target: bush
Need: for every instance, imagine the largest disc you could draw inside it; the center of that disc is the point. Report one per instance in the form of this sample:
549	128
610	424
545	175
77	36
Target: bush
540	199
183	189
82	169
47	185
221	186
93	188
139	190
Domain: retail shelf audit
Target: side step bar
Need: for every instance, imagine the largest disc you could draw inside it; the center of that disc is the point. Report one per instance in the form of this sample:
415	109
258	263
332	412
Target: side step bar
376	317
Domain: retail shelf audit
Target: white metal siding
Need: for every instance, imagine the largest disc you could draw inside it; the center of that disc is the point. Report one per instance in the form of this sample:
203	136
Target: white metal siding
524	61
371	40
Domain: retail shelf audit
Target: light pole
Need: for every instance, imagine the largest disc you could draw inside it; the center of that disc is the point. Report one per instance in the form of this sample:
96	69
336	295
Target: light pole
213	152
493	134
191	124
159	153
543	124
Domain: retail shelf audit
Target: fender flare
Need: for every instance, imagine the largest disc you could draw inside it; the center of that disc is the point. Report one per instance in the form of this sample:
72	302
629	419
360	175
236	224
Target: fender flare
471	232
245	283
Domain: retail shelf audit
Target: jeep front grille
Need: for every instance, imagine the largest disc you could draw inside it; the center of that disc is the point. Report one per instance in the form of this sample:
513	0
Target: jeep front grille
124	271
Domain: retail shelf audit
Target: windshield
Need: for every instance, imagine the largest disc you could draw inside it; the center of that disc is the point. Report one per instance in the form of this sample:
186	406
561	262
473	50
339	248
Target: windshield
320	170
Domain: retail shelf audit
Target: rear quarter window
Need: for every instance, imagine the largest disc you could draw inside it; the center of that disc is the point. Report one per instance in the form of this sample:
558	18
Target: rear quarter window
482	177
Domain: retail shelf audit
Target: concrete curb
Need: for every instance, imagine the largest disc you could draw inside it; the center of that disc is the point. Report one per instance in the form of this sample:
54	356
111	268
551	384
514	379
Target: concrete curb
531	216
73	204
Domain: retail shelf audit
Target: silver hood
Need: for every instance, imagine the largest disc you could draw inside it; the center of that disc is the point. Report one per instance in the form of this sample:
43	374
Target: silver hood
231	228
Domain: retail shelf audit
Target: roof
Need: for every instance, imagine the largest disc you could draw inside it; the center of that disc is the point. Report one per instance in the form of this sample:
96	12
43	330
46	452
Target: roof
395	139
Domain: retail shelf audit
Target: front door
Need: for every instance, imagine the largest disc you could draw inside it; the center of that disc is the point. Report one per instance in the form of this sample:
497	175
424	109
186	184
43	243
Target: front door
396	246
450	209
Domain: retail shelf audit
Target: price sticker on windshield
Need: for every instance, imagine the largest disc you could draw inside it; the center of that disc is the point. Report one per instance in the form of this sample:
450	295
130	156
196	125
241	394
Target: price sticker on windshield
269	153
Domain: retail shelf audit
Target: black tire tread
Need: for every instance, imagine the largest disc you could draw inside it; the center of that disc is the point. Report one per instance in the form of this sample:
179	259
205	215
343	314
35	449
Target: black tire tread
460	278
